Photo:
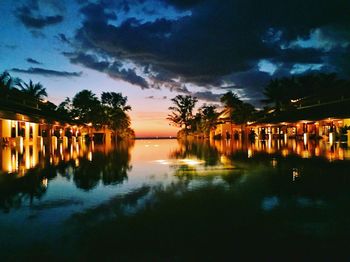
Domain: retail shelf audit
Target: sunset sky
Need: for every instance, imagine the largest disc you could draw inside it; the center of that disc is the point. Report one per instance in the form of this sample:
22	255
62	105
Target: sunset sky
152	50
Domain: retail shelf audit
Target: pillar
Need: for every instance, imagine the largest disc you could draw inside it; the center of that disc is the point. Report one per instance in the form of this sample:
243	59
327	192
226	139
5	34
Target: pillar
6	128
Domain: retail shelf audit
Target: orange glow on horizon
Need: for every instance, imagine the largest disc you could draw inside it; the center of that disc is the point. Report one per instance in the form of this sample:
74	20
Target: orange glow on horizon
152	124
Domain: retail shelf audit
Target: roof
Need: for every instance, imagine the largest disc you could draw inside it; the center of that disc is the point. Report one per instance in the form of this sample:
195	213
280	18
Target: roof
334	109
21	111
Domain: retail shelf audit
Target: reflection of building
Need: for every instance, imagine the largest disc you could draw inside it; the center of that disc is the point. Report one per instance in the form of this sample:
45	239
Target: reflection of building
290	147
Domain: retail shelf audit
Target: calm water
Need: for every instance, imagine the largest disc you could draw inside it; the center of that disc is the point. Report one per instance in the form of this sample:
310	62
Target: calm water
172	200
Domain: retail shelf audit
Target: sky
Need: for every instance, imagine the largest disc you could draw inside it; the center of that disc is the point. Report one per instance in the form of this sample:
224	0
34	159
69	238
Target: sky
153	50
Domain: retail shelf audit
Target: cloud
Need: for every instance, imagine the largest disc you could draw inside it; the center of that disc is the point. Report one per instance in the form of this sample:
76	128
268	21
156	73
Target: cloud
46	72
207	96
153	97
9	46
63	38
37	34
33	61
212	43
113	69
30	20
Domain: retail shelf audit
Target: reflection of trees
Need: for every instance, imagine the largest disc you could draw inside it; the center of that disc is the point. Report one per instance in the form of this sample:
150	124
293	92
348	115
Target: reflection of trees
199	159
15	190
201	150
110	167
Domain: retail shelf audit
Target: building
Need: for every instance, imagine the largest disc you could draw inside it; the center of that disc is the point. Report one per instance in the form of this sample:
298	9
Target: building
329	120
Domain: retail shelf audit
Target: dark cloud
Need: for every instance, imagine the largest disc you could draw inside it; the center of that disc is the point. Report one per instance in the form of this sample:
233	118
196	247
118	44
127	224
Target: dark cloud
217	43
207	96
9	46
128	75
184	4
30	20
301	56
46	72
153	97
33	61
97	13
114	69
37	34
63	38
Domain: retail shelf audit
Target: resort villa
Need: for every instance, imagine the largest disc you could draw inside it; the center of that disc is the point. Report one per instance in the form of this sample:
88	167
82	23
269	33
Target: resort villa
26	130
329	121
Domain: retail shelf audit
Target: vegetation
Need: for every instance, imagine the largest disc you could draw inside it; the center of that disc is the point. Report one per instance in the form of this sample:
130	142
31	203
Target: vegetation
207	117
34	90
290	92
110	111
181	114
281	94
240	112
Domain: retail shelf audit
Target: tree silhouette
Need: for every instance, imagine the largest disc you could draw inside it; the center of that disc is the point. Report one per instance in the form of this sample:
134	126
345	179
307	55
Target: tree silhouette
209	118
240	112
7	83
86	107
181	114
114	110
34	90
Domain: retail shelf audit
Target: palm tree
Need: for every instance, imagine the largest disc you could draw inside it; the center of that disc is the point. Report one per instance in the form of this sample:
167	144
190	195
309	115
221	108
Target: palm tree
181	114
240	112
86	107
7	83
114	112
230	100
115	100
209	117
34	90
274	94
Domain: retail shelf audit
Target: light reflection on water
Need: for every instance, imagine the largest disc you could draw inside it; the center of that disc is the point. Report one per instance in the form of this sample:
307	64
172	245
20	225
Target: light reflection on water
27	174
46	186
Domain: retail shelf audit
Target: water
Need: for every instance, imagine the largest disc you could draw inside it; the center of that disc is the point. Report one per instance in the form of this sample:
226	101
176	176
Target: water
173	200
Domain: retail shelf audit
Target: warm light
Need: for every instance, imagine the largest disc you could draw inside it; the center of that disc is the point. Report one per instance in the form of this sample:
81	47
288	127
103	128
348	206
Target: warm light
162	162
250	153
295	100
90	156
274	162
285	152
295	174
331	138
44	182
305	138
191	162
305	154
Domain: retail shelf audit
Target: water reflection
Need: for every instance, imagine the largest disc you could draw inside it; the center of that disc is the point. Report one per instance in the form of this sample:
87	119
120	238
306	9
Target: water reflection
26	174
177	193
306	148
252	196
199	159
